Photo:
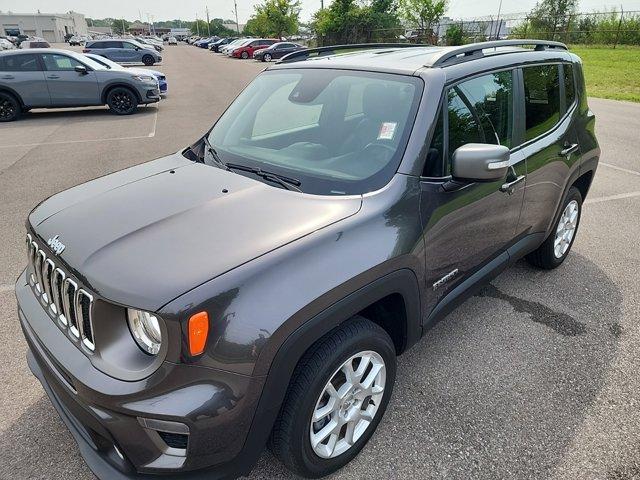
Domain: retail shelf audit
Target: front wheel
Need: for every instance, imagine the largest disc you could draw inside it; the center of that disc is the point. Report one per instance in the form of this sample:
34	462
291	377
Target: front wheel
148	60
245	55
337	396
557	246
122	101
267	57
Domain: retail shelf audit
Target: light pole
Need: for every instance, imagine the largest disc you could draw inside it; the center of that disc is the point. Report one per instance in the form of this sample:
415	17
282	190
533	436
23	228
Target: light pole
235	8
498	20
206	9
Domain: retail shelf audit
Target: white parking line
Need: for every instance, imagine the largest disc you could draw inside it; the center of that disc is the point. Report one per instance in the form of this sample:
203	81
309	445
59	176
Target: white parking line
608	198
151	134
615	167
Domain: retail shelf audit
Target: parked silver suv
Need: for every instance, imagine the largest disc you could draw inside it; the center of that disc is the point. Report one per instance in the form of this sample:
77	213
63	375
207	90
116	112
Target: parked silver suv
124	51
48	78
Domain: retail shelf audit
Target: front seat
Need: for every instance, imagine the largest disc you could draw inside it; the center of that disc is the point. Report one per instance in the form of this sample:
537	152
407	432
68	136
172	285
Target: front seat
380	104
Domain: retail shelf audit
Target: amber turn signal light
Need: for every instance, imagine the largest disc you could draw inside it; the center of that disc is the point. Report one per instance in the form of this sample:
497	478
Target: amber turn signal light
198	332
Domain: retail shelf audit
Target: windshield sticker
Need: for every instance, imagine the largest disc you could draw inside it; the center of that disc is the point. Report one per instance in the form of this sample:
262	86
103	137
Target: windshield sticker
387	131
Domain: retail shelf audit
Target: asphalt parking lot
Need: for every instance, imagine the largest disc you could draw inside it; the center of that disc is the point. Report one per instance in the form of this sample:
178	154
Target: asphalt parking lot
536	377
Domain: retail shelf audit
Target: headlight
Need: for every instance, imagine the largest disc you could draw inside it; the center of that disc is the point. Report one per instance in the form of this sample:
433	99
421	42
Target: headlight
145	328
144	78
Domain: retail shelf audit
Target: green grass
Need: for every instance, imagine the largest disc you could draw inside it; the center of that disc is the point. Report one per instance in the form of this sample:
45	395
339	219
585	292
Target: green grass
611	73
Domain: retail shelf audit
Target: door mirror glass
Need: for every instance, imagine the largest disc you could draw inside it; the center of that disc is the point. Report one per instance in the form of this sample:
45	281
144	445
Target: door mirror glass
480	162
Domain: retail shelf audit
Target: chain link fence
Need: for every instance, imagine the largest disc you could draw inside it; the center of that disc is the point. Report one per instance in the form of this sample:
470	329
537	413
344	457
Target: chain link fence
597	28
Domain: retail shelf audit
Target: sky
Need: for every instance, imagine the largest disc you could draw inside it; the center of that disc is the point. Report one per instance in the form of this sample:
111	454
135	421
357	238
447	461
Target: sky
188	9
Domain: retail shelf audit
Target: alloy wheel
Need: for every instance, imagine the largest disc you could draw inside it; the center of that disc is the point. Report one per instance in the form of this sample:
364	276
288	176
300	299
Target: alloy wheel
7	109
566	229
122	101
348	404
267	57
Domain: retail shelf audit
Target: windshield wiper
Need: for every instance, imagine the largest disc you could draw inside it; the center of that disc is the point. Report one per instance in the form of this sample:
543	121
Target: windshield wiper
285	182
216	158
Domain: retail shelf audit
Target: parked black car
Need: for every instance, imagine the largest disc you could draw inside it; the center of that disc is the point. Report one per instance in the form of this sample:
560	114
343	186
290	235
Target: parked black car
258	285
276	51
215	46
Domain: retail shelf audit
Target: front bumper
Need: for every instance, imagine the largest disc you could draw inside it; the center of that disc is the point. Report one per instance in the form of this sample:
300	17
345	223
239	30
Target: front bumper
104	414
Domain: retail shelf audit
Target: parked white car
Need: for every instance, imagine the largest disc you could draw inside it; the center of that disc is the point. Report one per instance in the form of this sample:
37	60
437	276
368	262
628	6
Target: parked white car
35	43
6	44
172	41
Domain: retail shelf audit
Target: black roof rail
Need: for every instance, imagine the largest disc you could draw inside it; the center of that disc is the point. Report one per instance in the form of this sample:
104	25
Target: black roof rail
302	55
474	50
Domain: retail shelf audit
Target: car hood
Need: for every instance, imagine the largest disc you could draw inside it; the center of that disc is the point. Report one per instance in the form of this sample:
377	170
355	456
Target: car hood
144	71
143	236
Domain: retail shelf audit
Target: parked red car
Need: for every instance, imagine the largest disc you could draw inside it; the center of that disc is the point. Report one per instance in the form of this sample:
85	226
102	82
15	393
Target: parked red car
246	51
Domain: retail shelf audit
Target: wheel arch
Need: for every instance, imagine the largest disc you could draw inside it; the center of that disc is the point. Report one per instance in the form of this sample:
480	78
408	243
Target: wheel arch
399	288
13	93
111	86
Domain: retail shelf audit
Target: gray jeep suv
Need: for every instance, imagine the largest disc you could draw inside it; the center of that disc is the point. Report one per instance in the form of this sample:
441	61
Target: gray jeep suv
48	78
257	286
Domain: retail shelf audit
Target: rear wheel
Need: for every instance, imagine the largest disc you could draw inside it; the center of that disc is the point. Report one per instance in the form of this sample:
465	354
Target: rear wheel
148	60
557	246
337	396
9	107
122	101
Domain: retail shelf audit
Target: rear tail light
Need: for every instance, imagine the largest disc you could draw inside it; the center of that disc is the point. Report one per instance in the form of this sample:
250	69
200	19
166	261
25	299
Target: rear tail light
198	332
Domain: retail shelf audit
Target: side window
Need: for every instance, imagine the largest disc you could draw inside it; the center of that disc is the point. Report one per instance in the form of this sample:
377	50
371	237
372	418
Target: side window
542	99
492	99
128	46
464	123
569	84
254	44
20	63
59	63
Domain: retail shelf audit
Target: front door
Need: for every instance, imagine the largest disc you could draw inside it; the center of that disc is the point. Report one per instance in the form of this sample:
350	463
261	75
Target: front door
67	87
467	225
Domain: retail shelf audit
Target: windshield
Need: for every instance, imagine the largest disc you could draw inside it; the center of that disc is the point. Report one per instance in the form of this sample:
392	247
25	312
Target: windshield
86	60
338	132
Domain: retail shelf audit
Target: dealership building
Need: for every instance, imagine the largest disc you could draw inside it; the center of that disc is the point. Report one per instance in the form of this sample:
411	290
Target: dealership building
50	26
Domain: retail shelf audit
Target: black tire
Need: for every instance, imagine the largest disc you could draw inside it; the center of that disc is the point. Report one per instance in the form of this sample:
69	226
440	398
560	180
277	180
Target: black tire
545	256
266	57
290	439
148	60
10	108
122	101
244	55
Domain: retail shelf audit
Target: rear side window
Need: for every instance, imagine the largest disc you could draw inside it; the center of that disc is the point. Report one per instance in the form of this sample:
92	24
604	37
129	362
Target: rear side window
19	63
569	84
542	99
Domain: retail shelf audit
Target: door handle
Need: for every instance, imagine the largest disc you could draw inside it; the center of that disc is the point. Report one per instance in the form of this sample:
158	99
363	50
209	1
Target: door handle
53	76
569	148
8	77
508	186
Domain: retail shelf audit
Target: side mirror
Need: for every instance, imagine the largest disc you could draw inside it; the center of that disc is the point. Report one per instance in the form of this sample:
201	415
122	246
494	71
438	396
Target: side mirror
480	162
81	69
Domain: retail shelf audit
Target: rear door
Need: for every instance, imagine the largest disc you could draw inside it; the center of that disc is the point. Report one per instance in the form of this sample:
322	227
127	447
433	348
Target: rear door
66	86
550	141
113	50
23	74
469	225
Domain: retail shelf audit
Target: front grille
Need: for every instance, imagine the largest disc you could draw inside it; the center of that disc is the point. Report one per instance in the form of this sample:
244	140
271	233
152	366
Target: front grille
64	300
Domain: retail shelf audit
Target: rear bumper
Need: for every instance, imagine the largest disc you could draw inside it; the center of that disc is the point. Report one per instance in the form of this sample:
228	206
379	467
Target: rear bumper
109	419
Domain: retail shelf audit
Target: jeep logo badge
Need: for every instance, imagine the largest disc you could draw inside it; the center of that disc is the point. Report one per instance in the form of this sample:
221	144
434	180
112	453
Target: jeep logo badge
56	245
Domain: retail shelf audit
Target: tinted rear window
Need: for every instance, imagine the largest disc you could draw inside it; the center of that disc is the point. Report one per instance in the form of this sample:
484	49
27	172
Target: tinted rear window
542	99
19	63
